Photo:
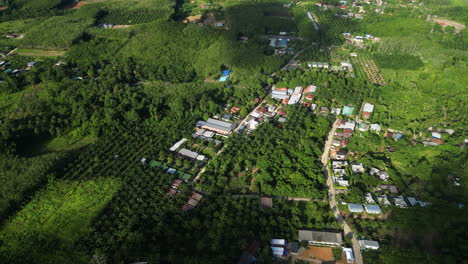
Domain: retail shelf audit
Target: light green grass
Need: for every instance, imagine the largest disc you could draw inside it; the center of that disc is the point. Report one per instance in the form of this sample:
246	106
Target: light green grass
40	52
68	143
58	215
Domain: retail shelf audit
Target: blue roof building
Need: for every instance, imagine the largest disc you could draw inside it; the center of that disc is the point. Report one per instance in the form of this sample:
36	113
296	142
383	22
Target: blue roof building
372	209
226	73
355	208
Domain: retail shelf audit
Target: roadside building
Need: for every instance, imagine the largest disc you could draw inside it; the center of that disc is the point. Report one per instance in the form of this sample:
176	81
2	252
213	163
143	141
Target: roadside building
367	110
357	168
369	198
375	127
391	188
355	208
368	244
320	238
400	202
372	209
348	110
349	255
383	200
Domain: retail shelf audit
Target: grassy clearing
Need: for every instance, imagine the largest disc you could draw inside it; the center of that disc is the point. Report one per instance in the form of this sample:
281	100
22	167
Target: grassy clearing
68	143
58	216
40	52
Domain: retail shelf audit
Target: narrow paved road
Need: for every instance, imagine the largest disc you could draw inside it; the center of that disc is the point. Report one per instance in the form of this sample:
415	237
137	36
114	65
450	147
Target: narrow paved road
269	90
331	196
297	199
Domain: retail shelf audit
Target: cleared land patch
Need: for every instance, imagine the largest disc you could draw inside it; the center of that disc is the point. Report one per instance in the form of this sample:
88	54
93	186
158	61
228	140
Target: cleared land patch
60	214
40	52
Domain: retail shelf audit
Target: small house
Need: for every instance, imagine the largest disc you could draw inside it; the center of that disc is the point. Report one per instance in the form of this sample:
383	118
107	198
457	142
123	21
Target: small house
355	208
369	198
375	127
368	244
348	110
372	209
320	238
400	201
383	200
391	188
357	168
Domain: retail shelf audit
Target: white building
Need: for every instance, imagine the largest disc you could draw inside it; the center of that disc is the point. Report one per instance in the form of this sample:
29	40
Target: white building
368	244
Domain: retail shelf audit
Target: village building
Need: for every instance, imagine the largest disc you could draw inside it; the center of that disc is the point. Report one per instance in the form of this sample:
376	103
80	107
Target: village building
192	202
400	201
310	89
355	208
218	126
383	200
369	198
341	154
375	127
320	238
372	209
343	124
391	188
349	255
266	202
357	168
348	110
362	126
368	244
339	164
336	111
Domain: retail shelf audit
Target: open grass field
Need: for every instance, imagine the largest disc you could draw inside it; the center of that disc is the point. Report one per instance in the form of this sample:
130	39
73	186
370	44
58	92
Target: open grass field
60	214
40	52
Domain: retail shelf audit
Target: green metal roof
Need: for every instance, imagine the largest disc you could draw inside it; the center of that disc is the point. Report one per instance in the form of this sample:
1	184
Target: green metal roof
348	110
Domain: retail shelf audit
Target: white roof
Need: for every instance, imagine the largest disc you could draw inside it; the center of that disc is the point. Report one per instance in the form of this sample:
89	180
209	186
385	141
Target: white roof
178	144
369	244
294	99
357	167
278	242
256	114
188	153
368	107
375	127
349	254
200	157
372	209
436	135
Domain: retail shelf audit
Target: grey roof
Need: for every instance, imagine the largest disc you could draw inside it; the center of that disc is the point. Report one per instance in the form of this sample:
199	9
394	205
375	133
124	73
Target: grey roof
355	208
320	237
216	127
372	209
225	124
369	243
188	153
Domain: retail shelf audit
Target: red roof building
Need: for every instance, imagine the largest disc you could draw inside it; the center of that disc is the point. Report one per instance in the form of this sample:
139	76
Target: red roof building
234	109
285	101
344	143
281	112
437	141
261	110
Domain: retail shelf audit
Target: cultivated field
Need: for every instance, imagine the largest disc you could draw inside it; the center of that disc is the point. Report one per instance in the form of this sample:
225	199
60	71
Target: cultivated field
40	52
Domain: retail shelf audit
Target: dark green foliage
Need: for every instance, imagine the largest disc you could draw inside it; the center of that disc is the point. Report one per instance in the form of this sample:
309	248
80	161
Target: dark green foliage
56	32
398	61
274	161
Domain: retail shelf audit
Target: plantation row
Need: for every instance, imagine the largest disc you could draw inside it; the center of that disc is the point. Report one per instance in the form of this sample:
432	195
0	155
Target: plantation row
398	61
125	17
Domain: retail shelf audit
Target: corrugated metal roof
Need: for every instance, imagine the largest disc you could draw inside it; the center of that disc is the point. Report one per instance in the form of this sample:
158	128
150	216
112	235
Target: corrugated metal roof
357	208
372	209
188	153
220	123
